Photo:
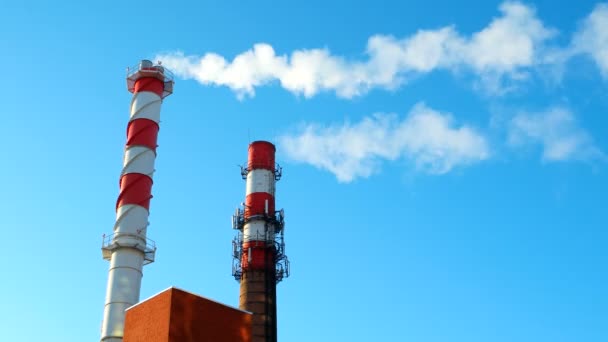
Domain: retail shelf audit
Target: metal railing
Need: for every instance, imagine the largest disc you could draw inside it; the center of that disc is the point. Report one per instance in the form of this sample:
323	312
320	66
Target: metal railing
110	243
278	171
147	68
282	265
239	220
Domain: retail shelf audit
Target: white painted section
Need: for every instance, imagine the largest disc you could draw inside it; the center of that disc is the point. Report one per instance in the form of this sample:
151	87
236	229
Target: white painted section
146	105
260	180
124	282
124	279
139	159
258	230
131	219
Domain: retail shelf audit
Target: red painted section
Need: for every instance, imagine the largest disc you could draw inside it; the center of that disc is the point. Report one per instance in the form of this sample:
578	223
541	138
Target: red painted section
262	256
143	132
135	188
255	204
149	84
261	155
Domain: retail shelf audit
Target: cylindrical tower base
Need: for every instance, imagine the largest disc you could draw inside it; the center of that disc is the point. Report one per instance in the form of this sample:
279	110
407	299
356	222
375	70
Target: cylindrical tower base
258	296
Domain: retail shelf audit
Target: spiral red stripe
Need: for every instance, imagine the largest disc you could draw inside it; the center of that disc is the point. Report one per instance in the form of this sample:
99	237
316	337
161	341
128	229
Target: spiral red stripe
142	132
135	188
151	84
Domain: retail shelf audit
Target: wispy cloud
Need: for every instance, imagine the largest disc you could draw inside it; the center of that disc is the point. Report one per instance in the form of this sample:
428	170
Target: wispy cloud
558	132
426	137
503	51
592	37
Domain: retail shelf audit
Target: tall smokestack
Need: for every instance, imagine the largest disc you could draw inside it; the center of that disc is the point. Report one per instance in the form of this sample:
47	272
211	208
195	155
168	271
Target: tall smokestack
259	251
128	248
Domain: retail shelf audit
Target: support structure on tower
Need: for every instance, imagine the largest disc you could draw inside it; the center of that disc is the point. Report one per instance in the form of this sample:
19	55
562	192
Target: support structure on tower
128	247
259	260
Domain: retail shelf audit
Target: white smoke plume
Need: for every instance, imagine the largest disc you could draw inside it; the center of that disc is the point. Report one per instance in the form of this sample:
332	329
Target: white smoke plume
557	131
592	38
426	137
504	50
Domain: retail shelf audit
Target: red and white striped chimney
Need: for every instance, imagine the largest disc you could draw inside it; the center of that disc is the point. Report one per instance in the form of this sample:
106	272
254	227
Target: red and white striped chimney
259	249
128	248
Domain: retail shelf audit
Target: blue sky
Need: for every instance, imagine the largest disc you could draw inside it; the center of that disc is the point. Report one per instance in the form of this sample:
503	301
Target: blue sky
444	165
